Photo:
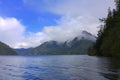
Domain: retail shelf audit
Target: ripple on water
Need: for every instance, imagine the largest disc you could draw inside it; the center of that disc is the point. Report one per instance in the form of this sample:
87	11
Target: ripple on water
77	67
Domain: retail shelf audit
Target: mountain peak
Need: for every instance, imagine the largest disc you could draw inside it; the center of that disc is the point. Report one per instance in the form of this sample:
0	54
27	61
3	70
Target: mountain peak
89	36
85	32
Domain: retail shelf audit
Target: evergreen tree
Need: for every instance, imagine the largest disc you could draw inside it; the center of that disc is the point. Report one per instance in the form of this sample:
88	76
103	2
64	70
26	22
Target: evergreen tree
108	40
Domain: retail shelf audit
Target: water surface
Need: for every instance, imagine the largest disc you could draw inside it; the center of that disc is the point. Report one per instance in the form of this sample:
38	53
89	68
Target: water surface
62	67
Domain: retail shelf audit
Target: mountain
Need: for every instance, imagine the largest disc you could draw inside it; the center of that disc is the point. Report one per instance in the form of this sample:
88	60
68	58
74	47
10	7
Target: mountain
78	45
6	50
22	51
88	36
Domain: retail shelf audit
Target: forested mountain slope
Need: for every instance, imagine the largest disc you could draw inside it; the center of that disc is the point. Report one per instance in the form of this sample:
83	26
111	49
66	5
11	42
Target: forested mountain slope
6	50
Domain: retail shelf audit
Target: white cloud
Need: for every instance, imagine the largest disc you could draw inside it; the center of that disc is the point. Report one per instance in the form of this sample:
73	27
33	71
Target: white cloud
13	33
33	39
96	8
70	27
71	7
76	15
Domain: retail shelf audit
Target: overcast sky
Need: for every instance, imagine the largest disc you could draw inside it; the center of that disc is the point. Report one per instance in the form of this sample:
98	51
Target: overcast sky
28	23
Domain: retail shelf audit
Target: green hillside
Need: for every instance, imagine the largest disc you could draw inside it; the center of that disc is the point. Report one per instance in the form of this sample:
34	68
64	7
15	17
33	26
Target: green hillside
6	50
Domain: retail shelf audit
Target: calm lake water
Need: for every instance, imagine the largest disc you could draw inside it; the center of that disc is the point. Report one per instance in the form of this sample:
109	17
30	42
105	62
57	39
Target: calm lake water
62	67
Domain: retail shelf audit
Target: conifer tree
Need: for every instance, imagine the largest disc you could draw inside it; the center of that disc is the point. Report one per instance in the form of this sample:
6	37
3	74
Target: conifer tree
108	40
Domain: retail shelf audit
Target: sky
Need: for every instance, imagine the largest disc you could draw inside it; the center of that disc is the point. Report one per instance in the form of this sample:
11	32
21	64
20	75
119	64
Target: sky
28	23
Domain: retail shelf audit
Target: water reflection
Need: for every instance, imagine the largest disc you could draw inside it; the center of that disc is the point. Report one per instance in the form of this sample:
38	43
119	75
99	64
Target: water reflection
74	67
114	67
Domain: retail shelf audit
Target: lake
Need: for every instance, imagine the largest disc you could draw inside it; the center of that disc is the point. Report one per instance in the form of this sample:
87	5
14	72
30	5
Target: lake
58	67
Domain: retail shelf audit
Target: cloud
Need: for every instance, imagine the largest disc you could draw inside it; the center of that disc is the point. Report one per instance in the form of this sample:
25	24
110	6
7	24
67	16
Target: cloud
76	16
70	27
71	7
11	30
32	40
13	33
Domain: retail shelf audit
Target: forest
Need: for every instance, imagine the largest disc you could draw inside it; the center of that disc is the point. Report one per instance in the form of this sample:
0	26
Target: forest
108	40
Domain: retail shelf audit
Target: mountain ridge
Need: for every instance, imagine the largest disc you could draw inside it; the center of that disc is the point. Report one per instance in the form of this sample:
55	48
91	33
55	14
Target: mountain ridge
78	45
